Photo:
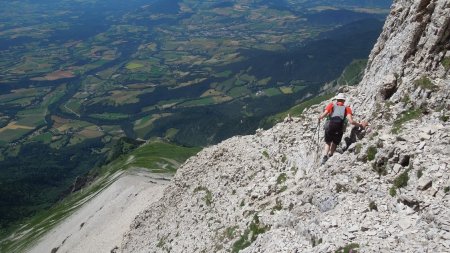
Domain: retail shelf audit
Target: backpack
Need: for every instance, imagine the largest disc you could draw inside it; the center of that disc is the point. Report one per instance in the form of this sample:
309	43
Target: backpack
337	119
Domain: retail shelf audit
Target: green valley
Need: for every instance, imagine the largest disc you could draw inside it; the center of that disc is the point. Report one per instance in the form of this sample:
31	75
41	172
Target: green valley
77	78
156	156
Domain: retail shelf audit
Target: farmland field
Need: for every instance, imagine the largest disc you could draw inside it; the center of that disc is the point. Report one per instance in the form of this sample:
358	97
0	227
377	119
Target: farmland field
77	77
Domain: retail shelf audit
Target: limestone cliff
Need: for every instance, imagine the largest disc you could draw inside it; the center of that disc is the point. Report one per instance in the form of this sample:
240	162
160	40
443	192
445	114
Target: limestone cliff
388	192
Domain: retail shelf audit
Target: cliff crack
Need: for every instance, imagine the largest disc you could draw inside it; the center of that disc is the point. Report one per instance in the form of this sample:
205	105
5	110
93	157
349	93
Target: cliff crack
443	42
425	10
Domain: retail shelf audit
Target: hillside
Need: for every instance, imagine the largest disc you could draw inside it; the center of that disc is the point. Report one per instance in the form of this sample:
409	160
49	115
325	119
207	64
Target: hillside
100	223
388	192
78	76
101	204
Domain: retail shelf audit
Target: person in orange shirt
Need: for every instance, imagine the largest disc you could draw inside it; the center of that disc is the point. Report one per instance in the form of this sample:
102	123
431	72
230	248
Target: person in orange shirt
337	113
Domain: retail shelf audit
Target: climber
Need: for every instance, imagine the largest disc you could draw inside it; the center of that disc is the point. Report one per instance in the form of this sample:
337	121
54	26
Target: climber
337	114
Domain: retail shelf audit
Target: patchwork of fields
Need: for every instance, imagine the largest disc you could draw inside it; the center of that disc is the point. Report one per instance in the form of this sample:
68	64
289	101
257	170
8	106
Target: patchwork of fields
76	77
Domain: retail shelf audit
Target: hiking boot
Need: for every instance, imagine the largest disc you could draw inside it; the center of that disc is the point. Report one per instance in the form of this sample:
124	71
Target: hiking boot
324	159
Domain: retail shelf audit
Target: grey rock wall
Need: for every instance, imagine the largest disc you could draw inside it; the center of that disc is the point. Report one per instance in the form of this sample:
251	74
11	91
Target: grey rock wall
388	192
414	43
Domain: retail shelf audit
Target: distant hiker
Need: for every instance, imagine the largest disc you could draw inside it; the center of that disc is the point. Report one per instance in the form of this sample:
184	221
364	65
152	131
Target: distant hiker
288	118
337	114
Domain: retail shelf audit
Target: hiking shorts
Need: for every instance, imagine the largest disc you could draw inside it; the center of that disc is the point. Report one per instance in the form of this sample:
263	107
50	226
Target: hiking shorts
333	136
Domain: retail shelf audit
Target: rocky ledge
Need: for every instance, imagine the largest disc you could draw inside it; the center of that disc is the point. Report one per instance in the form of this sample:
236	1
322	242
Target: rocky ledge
387	190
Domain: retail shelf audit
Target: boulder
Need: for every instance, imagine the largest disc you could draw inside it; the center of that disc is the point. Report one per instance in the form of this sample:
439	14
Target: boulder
424	183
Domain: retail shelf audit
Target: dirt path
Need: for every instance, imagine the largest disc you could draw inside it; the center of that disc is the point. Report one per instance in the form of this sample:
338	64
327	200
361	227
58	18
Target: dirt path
98	226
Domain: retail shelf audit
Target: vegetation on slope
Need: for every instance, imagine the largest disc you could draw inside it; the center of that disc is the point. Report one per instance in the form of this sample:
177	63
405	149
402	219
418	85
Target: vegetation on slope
351	75
294	111
156	156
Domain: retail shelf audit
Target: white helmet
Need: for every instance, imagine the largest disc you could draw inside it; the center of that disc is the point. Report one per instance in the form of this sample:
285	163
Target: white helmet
340	96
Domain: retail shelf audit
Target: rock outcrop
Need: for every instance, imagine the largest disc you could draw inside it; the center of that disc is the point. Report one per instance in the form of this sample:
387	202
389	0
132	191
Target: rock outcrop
387	192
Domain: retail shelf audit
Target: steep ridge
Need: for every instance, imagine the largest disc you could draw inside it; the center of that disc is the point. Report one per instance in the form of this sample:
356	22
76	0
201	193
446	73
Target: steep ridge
99	224
388	192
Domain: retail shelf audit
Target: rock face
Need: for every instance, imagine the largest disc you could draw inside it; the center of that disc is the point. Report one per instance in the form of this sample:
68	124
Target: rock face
388	192
414	46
